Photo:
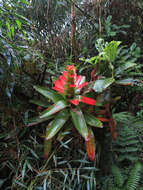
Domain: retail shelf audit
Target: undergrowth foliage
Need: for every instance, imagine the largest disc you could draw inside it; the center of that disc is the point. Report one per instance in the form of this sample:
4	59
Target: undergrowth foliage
123	179
60	171
129	144
126	169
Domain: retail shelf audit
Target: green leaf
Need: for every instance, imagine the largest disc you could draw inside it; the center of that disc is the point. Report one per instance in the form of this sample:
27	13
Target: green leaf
124	67
92	120
54	109
12	30
48	93
30	187
64	132
29	165
56	124
134	177
39	103
102	84
37	120
28	22
79	122
118	177
23	170
9	34
8	26
32	151
90	60
110	50
18	24
20	184
126	82
24	1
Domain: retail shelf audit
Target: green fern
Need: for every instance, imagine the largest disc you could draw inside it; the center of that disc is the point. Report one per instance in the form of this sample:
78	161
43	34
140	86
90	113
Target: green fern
118	177
134	177
123	179
128	144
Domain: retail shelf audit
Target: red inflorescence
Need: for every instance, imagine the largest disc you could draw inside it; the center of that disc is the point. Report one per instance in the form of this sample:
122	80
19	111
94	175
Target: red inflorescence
68	83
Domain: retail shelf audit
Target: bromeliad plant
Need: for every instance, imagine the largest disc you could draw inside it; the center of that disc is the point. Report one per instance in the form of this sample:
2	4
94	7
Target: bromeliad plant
68	96
68	107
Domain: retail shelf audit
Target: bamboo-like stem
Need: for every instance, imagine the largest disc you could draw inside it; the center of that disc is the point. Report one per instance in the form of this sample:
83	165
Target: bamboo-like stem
72	44
99	19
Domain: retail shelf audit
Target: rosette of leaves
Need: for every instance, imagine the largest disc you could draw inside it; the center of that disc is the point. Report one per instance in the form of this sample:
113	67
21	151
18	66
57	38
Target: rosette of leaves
68	107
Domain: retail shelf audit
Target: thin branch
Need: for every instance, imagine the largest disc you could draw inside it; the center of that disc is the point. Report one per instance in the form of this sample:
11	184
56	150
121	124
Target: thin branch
83	12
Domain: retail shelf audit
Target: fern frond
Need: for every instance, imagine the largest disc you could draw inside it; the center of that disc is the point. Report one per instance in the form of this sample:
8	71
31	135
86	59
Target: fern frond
124	143
127	157
123	117
127	149
117	175
134	177
128	143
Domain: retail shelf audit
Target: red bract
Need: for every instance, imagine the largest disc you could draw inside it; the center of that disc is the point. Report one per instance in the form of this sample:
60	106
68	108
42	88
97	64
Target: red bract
69	83
75	102
87	100
83	99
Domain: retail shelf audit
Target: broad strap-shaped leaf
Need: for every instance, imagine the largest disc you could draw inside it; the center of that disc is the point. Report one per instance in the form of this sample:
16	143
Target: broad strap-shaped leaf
39	103
90	144
47	144
54	109
79	122
126	82
37	120
64	132
102	84
92	120
56	124
47	147
124	67
48	93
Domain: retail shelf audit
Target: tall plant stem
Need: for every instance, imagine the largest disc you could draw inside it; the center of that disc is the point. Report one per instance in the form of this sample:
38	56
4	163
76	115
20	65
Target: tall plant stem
72	44
99	19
